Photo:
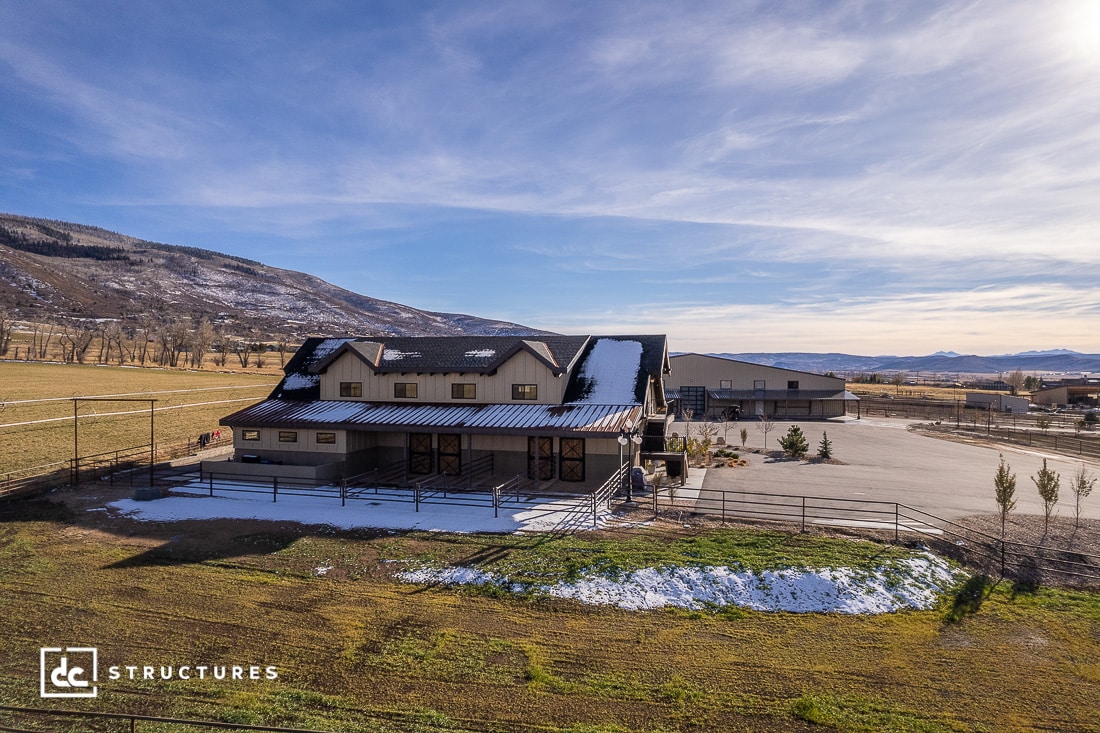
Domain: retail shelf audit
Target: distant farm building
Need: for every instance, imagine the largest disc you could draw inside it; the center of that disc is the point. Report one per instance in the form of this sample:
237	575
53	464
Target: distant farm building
1084	392
997	402
716	388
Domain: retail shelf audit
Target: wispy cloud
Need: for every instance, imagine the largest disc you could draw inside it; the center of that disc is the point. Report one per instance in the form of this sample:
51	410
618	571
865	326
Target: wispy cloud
934	147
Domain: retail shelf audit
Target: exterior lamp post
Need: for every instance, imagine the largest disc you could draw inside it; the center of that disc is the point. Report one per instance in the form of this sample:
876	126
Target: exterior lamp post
628	438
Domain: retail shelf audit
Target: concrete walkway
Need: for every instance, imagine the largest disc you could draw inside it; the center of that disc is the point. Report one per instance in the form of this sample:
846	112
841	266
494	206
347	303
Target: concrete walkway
884	461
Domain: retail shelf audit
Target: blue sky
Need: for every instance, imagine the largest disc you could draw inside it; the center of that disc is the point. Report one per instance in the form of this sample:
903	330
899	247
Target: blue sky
871	177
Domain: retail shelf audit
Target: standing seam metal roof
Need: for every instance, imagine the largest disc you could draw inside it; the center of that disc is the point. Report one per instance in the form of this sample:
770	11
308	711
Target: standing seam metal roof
594	420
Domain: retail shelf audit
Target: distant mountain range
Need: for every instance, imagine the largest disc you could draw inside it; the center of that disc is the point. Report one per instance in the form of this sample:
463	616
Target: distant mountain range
945	363
54	269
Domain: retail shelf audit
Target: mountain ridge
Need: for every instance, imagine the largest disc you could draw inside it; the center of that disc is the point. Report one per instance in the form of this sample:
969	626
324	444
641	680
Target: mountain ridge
54	269
1059	361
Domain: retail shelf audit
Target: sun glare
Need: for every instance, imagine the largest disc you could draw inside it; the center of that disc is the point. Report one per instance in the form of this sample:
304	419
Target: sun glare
1085	28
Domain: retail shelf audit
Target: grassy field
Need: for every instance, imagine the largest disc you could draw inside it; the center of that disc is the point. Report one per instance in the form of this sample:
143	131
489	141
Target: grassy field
36	419
358	651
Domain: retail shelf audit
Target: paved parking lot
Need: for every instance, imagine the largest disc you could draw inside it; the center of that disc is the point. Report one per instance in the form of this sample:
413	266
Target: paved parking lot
883	461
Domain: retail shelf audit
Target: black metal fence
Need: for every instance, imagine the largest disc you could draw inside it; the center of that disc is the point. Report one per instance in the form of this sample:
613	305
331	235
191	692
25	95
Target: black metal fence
1026	562
14	720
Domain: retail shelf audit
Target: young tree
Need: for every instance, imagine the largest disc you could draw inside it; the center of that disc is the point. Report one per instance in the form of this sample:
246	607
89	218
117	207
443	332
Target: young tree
744	436
794	442
825	447
897	380
1047	482
1083	483
1004	483
765	426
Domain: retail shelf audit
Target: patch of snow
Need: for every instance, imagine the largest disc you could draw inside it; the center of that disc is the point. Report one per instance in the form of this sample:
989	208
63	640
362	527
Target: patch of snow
915	583
301	381
323	570
395	355
326	347
482	353
611	371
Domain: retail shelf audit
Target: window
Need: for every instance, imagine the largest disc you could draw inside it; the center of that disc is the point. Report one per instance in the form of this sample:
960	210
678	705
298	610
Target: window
351	389
725	384
463	391
250	435
405	389
288	436
525	391
326	438
792	384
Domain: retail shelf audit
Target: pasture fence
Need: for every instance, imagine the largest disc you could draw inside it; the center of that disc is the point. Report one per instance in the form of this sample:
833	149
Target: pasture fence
1019	560
87	720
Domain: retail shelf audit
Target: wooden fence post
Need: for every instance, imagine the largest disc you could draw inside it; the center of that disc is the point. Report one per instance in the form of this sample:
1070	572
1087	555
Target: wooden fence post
275	488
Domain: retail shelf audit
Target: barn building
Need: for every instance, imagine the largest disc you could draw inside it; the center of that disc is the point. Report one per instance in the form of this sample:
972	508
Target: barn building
716	388
551	408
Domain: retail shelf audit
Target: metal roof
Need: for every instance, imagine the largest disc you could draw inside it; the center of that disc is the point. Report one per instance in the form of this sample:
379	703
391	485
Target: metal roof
780	394
592	420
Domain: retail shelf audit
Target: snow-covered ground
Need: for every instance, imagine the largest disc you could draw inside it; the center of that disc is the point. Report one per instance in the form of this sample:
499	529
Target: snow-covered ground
915	583
538	515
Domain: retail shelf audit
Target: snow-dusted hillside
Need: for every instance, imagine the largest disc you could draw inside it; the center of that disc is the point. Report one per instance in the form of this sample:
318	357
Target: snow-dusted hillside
54	269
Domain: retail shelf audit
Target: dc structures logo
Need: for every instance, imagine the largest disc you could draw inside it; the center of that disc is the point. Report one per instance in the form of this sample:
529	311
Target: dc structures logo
69	671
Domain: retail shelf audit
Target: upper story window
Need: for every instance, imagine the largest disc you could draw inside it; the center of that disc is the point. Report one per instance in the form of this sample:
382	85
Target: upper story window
525	391
725	384
792	384
326	438
405	389
351	389
463	391
288	436
250	435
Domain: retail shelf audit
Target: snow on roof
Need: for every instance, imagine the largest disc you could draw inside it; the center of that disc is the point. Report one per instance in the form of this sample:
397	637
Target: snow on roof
611	372
395	355
326	347
482	353
300	381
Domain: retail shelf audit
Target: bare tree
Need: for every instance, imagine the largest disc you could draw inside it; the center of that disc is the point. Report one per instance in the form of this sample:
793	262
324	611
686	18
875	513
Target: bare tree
6	326
112	341
243	352
1004	483
1083	483
76	338
1047	482
897	380
1015	380
765	425
201	339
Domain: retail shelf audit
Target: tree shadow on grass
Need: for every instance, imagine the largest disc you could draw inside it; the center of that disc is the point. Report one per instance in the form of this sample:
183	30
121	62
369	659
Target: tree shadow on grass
969	598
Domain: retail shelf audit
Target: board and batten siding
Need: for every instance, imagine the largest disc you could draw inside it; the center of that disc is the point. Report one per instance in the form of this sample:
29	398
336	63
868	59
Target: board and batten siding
522	368
698	370
306	442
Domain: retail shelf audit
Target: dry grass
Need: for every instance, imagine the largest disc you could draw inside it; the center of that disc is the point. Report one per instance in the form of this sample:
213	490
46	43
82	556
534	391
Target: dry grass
359	651
188	403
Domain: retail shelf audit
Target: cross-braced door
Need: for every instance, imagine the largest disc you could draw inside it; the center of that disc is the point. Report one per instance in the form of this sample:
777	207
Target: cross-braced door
420	452
571	464
540	451
450	454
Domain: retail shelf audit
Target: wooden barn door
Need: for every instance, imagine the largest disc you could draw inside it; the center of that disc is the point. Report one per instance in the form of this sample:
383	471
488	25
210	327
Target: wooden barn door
571	467
420	452
450	454
541	449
